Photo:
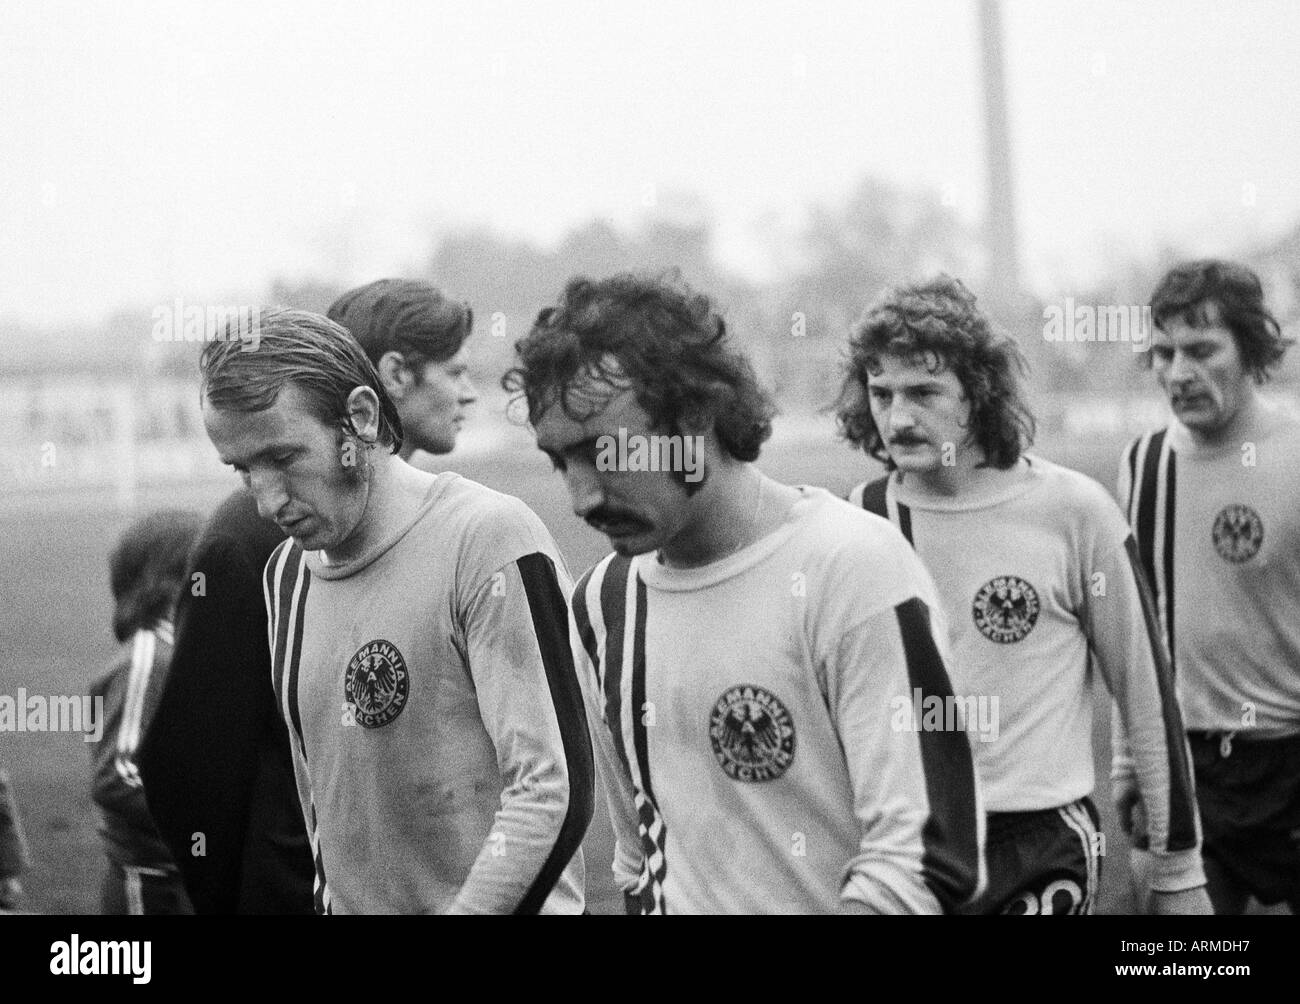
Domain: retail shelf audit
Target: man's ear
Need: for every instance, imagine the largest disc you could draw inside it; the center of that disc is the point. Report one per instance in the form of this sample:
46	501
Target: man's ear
363	409
394	374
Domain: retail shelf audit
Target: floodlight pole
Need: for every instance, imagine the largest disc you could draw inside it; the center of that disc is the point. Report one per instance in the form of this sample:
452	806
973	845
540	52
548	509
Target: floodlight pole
1003	280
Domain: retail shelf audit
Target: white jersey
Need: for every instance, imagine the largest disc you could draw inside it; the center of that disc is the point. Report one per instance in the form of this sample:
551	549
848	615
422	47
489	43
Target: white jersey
1219	534
1039	580
439	739
757	742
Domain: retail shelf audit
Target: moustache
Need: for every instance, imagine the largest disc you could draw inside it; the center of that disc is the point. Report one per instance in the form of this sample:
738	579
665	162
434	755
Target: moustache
605	517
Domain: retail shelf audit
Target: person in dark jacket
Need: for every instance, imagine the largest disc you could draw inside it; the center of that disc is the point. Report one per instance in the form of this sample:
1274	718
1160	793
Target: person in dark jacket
216	760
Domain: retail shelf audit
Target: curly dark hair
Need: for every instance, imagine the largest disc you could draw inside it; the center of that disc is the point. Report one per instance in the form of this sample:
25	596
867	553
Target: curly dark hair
1187	292
938	320
147	568
651	333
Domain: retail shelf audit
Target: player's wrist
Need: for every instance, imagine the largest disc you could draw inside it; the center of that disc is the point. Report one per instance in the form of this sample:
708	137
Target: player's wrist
1177	871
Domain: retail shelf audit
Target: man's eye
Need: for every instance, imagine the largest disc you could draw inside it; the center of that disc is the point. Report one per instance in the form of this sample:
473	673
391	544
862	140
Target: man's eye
1164	355
282	458
557	463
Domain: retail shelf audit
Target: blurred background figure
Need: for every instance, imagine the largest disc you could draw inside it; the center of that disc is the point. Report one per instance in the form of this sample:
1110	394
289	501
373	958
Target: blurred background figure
13	848
415	337
146	571
216	759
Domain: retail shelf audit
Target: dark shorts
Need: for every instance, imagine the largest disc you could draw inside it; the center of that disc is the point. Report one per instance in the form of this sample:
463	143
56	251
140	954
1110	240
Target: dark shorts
1250	811
1042	862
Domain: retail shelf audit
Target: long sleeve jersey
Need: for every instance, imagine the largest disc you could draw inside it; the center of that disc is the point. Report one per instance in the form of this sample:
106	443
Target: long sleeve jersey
1219	533
1038	576
747	725
436	721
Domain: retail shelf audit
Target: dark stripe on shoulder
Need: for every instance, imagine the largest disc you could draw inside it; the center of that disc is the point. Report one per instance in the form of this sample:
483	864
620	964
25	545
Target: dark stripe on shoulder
613	601
551	625
1145	525
639	733
1130	458
1171	484
905	521
1182	790
586	633
873	497
295	657
951	859
281	602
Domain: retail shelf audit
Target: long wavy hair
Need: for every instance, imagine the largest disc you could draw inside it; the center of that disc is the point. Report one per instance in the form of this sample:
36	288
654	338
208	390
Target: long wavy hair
938	321
655	335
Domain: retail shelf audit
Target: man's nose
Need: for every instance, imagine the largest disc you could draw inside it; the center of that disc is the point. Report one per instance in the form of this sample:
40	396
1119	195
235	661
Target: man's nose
584	489
268	490
468	393
1182	371
901	418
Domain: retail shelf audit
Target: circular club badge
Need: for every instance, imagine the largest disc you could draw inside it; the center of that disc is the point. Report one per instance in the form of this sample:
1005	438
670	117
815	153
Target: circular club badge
1237	533
376	684
752	734
1005	609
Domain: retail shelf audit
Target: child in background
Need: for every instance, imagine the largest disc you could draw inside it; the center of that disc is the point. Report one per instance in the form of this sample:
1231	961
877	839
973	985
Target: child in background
147	571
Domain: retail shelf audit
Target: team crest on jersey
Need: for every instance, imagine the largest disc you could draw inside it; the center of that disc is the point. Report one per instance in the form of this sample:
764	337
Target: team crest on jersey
376	684
752	734
1238	531
1005	609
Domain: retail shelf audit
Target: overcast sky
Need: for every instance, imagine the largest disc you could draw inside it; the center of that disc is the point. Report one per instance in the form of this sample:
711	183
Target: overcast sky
148	149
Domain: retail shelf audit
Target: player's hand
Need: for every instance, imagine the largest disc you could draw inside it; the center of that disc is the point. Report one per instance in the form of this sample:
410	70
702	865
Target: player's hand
1185	901
1132	814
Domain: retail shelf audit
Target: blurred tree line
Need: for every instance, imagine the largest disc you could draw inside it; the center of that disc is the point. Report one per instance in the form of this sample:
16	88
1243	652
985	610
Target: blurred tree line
828	266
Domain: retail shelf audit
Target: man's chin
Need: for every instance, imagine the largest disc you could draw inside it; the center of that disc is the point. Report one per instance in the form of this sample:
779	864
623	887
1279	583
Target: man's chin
315	540
438	447
1200	417
630	545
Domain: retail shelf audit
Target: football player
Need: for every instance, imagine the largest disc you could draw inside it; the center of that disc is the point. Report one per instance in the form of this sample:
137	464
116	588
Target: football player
1036	572
1214	501
417	339
419	646
217	758
749	641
